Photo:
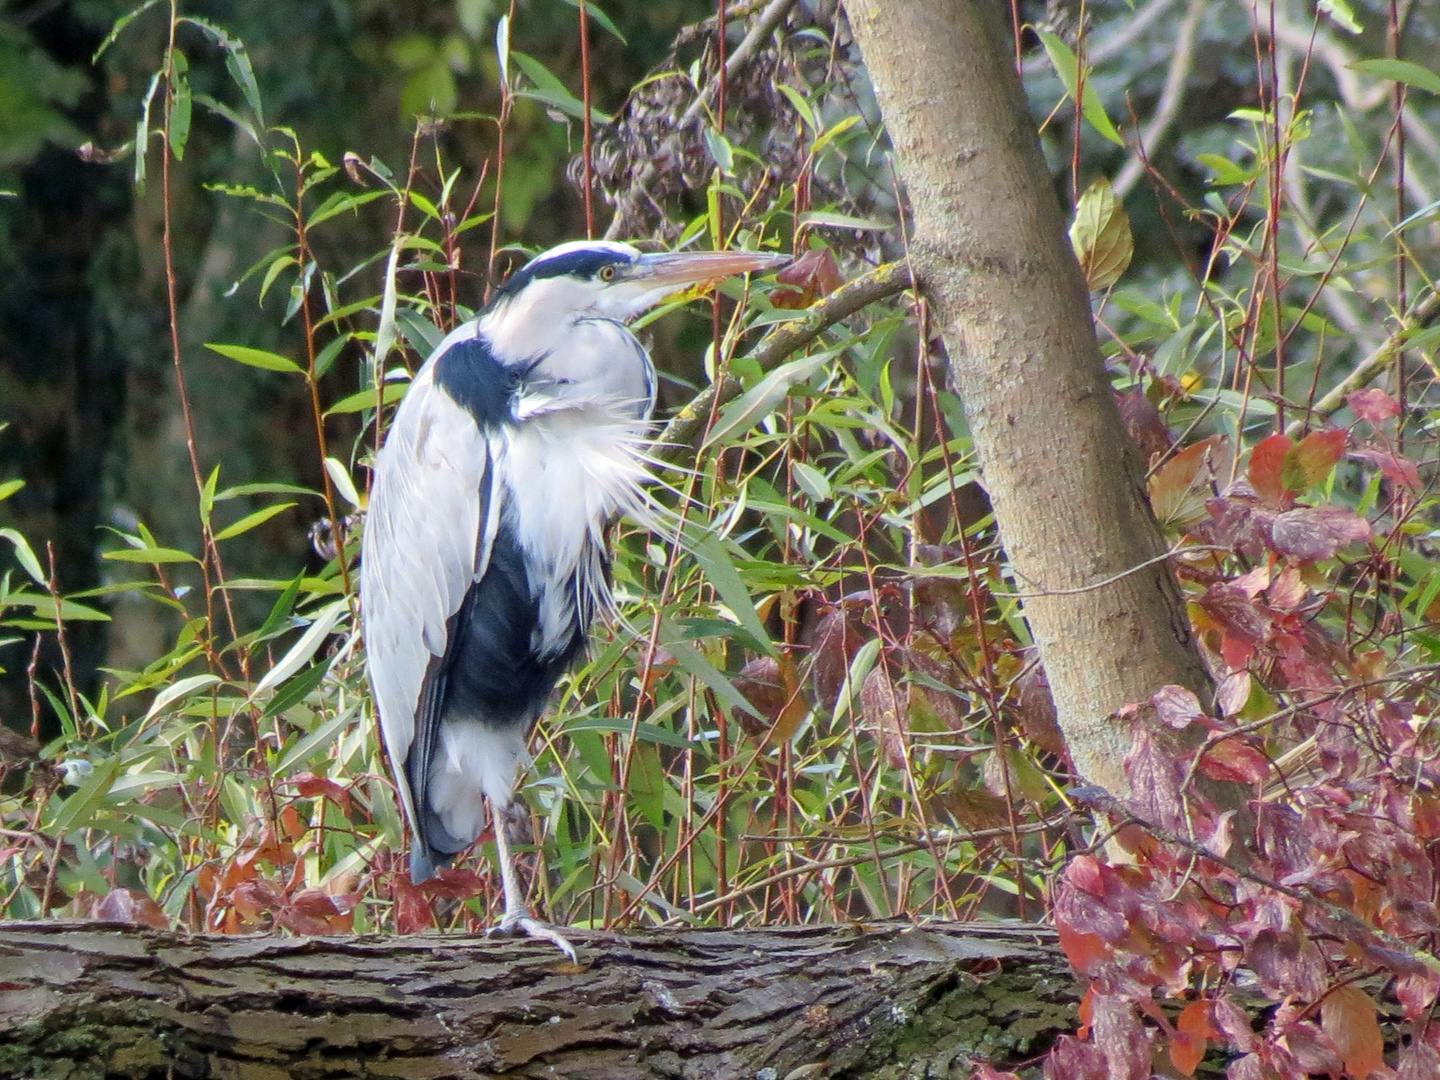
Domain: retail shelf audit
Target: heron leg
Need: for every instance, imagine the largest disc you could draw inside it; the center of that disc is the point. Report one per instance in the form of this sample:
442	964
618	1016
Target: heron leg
517	918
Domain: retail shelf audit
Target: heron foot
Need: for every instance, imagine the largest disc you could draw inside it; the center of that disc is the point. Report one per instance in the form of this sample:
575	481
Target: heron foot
519	924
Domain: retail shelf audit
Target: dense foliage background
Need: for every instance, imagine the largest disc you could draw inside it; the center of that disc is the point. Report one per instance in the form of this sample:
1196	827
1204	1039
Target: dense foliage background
823	704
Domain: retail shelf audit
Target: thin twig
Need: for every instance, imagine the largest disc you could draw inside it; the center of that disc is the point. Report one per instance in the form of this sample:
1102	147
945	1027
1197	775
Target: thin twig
1422	315
1171	98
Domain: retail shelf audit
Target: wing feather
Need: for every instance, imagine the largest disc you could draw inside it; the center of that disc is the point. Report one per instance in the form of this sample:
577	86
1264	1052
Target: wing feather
434	510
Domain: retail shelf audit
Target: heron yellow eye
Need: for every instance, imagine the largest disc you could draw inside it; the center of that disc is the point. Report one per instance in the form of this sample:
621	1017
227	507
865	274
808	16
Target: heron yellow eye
607	273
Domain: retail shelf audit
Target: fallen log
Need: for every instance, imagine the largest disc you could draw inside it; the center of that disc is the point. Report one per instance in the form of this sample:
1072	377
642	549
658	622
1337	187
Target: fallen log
94	1001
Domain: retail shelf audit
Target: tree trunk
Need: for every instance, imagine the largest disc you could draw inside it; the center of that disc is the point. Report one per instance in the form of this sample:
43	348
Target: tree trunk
991	253
91	1001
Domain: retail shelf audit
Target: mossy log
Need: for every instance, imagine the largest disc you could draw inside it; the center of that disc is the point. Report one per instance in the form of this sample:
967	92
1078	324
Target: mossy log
85	1001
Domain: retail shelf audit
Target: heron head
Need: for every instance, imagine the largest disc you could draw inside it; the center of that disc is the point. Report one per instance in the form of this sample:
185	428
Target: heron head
616	281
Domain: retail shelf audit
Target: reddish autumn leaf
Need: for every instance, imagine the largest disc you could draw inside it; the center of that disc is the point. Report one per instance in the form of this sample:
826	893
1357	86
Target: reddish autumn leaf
1037	714
1192	1030
1400	471
1087	874
1347	1016
311	786
813	275
1178	490
1310	461
760	683
1288	590
1254	582
454	883
1144	424
1232	692
1417	1061
1417	993
290	822
1155	773
1267	464
254	898
1237	613
134	908
772	685
880	704
412	909
1086	952
1373	404
1312	533
1236	652
838	637
311	911
1119	1033
1177	707
1071	1059
1235	761
983	1070
1288	964
1233	1024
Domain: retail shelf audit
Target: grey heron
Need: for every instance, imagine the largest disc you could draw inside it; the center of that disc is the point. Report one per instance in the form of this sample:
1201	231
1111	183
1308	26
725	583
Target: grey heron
484	554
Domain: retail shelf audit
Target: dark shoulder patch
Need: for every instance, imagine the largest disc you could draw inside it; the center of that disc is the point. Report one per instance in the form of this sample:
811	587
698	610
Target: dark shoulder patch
476	381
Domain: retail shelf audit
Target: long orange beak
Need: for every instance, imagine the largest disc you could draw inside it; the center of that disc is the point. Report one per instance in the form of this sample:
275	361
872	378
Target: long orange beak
678	269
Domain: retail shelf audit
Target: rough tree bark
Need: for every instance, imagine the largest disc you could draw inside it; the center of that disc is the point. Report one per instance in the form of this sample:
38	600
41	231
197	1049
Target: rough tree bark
96	1002
990	250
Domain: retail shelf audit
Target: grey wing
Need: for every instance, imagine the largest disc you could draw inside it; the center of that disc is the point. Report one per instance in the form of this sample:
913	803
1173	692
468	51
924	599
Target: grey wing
434	510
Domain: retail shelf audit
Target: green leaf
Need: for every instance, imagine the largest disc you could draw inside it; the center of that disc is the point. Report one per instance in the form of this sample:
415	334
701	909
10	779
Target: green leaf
207	494
599	18
327	356
180	111
340	202
710	553
119	27
1341	14
279	618
320	738
10	487
762	398
800	105
551	91
721	152
256	357
177	690
142	131
249	521
1402	71
1100	235
340	477
300	653
365	399
25	555
834	132
502	48
240	491
1068	68
279	263
644	732
297	689
422	335
78	808
831	220
812	481
150	555
693	662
